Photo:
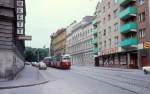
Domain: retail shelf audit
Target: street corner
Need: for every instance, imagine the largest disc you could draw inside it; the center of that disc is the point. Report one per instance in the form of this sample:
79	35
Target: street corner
29	76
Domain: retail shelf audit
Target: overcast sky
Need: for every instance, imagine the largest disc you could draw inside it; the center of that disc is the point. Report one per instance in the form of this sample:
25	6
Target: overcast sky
46	16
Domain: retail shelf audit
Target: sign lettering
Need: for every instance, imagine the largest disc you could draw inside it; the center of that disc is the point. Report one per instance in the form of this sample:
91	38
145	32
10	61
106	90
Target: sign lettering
20	17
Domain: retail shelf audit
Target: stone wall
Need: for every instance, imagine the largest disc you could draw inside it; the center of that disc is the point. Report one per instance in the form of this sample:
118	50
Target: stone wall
10	64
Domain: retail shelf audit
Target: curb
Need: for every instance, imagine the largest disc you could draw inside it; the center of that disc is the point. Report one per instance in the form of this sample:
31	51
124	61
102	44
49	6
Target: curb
19	86
115	69
46	80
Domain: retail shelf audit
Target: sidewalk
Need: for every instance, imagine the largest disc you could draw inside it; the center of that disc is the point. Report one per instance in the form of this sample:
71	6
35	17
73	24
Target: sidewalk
30	76
112	69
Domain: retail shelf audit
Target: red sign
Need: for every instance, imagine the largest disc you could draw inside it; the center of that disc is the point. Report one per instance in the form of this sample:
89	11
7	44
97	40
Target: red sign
21	37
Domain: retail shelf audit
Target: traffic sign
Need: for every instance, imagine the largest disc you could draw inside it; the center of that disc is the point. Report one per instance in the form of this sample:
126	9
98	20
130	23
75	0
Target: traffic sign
146	45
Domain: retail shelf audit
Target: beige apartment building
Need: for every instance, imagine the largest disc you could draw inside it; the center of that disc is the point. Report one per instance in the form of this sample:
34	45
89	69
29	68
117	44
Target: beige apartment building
79	42
58	42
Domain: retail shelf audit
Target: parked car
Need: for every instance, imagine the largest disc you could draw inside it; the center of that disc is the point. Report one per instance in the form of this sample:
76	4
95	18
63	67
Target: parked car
42	66
36	64
33	63
27	63
146	69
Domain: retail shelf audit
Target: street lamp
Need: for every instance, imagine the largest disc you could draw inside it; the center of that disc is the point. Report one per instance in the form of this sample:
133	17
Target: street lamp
38	54
37	51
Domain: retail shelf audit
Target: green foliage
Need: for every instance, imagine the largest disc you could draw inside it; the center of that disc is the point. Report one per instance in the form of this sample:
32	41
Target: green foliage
32	54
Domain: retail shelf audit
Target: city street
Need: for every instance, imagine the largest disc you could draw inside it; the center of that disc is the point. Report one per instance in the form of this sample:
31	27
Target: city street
89	80
75	47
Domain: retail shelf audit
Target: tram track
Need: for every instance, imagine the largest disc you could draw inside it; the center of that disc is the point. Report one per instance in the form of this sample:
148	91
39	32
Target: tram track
119	82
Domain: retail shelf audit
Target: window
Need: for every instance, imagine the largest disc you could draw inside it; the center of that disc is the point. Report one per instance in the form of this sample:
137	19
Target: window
100	44
99	12
104	32
116	25
105	44
109	29
142	16
116	40
115	13
109	17
142	33
109	43
103	20
108	5
103	9
141	2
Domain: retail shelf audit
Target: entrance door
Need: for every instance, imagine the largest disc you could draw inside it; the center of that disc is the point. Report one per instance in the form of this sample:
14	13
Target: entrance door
144	61
134	61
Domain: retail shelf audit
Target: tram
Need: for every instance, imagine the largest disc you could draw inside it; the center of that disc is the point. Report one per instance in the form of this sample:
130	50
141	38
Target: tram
61	61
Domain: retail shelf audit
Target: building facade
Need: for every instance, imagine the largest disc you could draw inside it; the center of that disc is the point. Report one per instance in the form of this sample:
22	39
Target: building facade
11	49
58	42
79	42
69	37
123	30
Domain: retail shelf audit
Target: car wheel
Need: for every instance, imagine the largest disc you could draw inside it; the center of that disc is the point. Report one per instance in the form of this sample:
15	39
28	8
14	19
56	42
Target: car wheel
145	72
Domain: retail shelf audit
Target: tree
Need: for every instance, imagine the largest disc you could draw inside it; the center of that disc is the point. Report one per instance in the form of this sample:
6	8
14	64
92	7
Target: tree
43	52
32	54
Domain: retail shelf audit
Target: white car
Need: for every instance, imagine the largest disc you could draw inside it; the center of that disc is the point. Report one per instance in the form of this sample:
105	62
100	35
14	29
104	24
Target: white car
146	69
42	66
35	64
27	63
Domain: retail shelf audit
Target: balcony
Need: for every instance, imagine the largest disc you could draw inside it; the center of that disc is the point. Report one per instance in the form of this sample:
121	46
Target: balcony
94	31
129	42
129	27
127	13
125	2
94	41
95	51
94	22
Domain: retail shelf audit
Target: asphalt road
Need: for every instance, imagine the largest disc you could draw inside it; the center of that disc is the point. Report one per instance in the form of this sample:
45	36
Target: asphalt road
84	80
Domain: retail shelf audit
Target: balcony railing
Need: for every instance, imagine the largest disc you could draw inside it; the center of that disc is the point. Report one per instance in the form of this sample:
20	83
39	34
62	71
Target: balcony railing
94	31
94	22
125	2
95	51
129	42
94	41
128	12
129	27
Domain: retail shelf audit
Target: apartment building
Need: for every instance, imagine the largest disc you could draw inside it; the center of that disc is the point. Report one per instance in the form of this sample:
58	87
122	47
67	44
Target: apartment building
58	42
12	25
79	42
123	33
69	30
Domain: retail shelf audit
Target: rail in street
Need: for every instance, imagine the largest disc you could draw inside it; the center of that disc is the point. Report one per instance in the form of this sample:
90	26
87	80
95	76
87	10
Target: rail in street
88	80
117	79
